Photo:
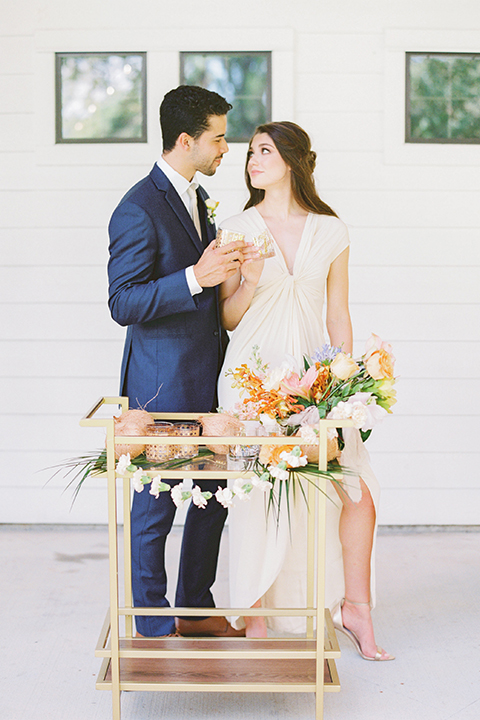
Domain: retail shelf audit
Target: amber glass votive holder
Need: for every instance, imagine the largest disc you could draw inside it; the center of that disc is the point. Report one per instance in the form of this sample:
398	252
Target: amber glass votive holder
187	429
160	453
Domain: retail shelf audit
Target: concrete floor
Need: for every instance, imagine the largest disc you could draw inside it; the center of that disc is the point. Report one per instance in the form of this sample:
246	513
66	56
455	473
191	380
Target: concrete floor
54	589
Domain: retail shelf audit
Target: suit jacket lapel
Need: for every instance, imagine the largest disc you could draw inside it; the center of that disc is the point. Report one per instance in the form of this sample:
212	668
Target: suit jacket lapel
208	229
177	205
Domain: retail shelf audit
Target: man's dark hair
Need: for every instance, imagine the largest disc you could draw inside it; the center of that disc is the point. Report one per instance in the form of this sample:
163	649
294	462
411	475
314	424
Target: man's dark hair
187	109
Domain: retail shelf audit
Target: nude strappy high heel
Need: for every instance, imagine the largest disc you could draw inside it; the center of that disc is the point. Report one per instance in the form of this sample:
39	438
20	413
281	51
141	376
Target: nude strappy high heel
338	625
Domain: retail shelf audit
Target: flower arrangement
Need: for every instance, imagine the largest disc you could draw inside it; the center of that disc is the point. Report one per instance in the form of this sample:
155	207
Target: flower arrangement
211	206
331	385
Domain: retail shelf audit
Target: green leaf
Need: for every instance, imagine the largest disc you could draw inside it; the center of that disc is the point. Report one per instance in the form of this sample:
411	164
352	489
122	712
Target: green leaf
365	434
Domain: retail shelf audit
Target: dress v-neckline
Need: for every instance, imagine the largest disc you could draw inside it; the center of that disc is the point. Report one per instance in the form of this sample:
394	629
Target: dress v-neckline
279	250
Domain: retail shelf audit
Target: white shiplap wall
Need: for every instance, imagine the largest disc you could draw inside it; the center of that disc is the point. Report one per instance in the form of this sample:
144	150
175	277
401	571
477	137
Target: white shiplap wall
413	214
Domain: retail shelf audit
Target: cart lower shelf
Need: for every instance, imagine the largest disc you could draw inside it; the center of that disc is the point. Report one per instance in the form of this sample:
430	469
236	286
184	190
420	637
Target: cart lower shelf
219	674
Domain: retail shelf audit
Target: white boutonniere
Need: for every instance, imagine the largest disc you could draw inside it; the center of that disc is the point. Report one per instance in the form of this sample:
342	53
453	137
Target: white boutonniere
211	206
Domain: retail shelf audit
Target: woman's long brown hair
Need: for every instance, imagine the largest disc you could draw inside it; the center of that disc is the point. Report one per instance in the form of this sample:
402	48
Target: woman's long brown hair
295	148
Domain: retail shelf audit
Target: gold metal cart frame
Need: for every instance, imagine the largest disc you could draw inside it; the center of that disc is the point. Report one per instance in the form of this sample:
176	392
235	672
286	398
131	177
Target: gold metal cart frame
213	664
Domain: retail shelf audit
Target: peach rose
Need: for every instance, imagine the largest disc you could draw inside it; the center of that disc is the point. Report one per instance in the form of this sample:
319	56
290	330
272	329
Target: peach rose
343	367
380	365
375	343
271	453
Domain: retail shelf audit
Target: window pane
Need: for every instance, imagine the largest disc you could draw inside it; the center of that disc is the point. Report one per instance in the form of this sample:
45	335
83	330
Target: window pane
242	78
443	100
101	97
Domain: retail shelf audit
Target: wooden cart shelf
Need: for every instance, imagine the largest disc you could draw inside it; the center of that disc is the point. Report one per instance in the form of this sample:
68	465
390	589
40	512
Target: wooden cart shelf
180	664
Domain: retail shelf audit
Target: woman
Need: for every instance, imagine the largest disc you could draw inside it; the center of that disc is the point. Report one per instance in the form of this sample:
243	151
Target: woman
277	304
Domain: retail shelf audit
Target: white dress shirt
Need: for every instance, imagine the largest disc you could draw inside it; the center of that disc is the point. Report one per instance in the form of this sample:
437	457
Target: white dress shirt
182	185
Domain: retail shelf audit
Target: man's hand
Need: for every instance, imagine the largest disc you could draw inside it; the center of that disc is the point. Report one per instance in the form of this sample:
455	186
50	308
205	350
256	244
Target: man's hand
218	264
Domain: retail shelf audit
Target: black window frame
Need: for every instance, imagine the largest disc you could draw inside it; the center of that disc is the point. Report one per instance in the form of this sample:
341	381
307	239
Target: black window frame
431	141
59	139
234	53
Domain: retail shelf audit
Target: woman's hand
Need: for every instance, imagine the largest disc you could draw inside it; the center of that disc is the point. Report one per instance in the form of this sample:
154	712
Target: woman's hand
252	265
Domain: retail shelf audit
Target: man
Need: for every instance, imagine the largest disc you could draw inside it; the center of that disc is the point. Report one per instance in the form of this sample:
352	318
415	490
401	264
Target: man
163	272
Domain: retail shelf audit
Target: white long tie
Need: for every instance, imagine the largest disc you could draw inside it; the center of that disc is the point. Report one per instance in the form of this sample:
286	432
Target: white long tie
194	209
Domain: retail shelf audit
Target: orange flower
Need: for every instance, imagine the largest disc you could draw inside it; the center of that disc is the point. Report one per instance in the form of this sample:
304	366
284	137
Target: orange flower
270	402
270	454
320	384
380	365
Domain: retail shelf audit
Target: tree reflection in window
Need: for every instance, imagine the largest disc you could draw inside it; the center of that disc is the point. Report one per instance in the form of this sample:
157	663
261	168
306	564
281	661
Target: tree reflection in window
443	98
243	78
100	97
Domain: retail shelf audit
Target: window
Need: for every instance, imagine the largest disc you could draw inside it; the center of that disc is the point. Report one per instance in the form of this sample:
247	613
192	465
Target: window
442	98
243	78
100	97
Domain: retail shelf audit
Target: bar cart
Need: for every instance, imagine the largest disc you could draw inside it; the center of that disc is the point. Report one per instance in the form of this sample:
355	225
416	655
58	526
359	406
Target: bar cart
210	664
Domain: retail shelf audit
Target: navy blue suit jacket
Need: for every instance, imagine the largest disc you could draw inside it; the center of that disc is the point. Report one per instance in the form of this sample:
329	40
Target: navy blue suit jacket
174	340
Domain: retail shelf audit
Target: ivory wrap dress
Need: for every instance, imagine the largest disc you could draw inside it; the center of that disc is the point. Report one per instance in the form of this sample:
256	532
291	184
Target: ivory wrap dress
286	317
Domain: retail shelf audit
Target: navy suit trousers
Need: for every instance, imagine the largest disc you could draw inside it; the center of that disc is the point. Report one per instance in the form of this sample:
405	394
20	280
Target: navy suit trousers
152	520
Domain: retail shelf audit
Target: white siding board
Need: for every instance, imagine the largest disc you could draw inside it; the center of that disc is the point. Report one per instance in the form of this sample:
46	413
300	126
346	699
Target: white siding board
415	322
52	432
450	247
16	92
411	470
358	170
82	208
40	359
340	93
16	133
430	434
437	396
341	53
16	55
47	321
55	284
408	209
425	507
438	360
53	246
343	131
16	170
48	396
414	284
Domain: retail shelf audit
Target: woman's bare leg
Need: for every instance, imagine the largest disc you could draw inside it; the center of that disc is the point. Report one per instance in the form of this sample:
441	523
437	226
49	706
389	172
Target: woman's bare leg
357	525
255	627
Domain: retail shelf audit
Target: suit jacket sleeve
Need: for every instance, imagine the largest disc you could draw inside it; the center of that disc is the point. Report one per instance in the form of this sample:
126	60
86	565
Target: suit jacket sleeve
136	295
